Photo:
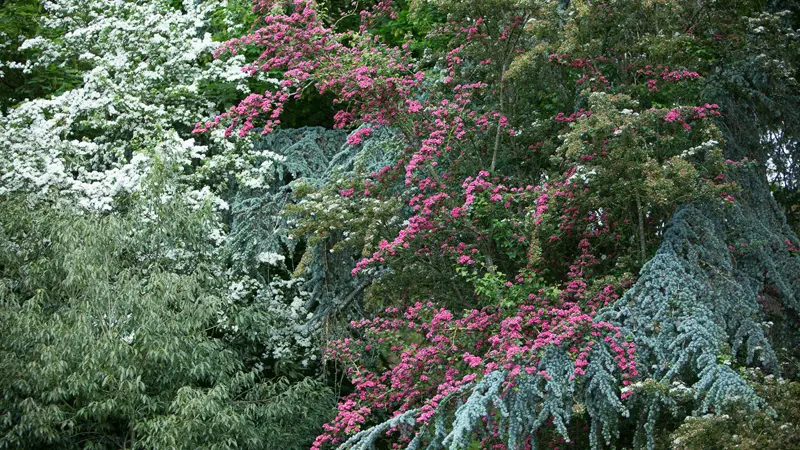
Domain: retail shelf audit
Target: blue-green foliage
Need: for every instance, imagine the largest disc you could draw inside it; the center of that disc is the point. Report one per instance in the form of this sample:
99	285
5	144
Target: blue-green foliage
328	273
262	243
313	157
375	151
695	310
601	398
259	235
365	440
484	395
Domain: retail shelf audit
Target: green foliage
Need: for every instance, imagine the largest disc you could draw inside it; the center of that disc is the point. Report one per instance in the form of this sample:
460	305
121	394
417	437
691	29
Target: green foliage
19	20
171	321
111	337
412	25
773	428
638	170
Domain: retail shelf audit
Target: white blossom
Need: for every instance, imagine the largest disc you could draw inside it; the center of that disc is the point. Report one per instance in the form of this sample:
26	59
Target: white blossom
136	105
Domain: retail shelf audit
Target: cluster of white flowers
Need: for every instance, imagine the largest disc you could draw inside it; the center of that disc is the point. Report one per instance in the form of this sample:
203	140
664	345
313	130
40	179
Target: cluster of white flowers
290	335
680	391
270	258
701	149
582	175
148	76
285	329
146	68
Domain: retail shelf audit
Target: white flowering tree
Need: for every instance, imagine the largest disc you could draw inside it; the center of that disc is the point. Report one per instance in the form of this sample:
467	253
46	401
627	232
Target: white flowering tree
148	76
113	226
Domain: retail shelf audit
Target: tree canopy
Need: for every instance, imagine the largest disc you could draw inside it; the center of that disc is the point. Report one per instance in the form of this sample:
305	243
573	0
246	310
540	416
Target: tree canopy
509	224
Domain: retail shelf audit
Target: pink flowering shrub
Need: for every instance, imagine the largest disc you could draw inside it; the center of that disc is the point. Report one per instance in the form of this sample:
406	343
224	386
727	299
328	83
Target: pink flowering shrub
437	353
358	69
510	217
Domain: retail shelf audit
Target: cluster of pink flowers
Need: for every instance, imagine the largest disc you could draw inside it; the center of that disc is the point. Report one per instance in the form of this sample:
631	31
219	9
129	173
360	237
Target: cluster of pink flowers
672	115
435	211
449	352
681	115
561	117
358	136
369	76
707	110
588	66
665	74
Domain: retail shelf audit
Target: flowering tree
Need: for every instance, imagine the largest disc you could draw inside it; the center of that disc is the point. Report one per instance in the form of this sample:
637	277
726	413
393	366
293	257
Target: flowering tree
545	148
503	224
124	324
145	73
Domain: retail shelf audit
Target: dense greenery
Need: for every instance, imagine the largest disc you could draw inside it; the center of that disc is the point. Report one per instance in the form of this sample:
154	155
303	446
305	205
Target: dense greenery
469	224
113	339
